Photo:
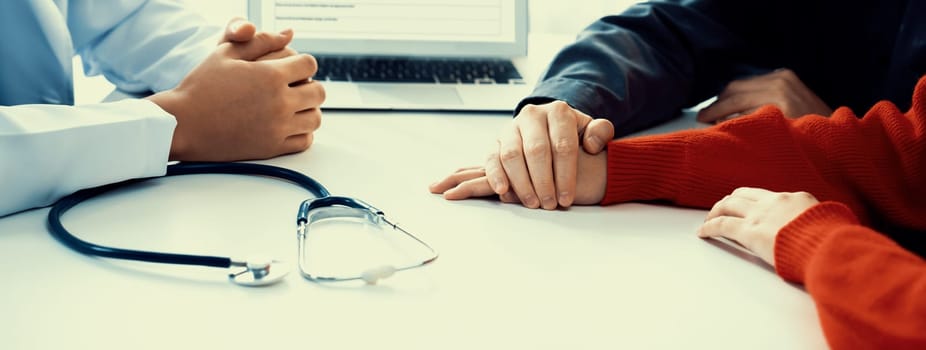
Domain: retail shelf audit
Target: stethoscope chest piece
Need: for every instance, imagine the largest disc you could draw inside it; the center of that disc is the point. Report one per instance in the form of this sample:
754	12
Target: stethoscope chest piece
259	272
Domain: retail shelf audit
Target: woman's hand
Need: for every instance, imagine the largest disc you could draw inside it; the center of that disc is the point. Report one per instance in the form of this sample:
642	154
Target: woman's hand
752	217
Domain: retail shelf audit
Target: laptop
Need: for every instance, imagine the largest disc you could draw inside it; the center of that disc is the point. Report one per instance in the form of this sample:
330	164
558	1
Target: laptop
408	54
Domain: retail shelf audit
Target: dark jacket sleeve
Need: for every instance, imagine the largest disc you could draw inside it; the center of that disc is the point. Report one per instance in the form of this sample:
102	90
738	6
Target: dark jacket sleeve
643	66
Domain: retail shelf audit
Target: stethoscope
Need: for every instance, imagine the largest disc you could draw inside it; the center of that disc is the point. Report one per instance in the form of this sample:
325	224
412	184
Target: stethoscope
252	271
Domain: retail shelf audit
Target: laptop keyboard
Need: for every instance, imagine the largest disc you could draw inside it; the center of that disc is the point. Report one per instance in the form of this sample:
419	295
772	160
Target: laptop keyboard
417	70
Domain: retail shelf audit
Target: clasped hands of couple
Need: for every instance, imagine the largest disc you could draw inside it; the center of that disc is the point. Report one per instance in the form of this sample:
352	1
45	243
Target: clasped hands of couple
553	155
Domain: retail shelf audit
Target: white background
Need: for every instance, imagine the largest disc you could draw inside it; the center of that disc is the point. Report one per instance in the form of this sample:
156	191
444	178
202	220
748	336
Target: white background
546	16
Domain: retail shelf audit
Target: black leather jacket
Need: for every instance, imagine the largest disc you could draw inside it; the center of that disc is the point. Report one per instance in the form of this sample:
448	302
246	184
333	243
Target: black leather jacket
642	67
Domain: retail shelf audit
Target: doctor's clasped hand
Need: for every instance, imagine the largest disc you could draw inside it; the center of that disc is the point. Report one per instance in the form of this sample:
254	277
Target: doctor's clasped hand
247	100
249	97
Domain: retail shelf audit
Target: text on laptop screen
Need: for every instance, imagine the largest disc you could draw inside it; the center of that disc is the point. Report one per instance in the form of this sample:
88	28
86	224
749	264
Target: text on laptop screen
409	20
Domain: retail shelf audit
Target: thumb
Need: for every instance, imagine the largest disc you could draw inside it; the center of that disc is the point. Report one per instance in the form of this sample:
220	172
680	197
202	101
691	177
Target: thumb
261	44
597	135
238	30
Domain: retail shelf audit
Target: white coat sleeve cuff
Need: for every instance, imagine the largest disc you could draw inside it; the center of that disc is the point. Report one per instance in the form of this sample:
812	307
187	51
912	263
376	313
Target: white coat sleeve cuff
47	152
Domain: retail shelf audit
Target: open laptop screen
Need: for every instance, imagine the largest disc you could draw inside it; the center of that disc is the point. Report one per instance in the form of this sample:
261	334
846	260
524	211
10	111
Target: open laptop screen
493	28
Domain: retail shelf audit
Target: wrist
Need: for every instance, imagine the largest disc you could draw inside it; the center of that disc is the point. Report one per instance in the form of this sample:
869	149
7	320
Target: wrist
592	177
170	102
798	241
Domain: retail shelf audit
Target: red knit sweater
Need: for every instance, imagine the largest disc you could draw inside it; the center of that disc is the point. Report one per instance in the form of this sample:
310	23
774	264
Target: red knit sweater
869	291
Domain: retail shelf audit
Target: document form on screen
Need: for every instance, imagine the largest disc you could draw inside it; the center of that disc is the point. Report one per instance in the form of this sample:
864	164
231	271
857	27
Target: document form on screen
414	20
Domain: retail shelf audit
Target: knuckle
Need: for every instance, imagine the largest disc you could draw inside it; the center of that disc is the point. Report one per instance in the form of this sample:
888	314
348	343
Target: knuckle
805	195
274	75
786	73
729	100
560	106
723	201
565	147
529	109
733	85
721	224
263	37
510	154
781	85
544	186
537	150
492	158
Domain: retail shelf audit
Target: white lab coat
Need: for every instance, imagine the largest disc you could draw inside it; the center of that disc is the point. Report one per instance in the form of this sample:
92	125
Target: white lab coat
49	148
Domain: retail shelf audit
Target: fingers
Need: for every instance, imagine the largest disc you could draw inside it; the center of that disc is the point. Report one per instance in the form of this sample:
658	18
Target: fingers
285	52
303	125
307	95
463	184
238	30
739	97
539	160
261	44
478	187
723	226
751	193
455	179
294	68
781	88
495	173
306	121
730	206
509	197
597	135
738	203
297	143
511	154
725	107
564	140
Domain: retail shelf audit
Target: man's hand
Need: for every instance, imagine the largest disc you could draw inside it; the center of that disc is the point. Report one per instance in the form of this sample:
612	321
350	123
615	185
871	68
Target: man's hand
536	157
234	107
591	177
752	217
781	88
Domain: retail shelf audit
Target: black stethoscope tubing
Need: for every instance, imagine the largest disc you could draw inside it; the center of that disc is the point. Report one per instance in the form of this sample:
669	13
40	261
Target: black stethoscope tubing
68	202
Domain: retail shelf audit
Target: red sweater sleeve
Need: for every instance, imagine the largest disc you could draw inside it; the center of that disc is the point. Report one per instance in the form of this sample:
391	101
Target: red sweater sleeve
868	290
876	165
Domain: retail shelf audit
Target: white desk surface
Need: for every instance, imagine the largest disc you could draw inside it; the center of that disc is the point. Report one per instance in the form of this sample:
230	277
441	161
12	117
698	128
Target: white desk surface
630	276
624	276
